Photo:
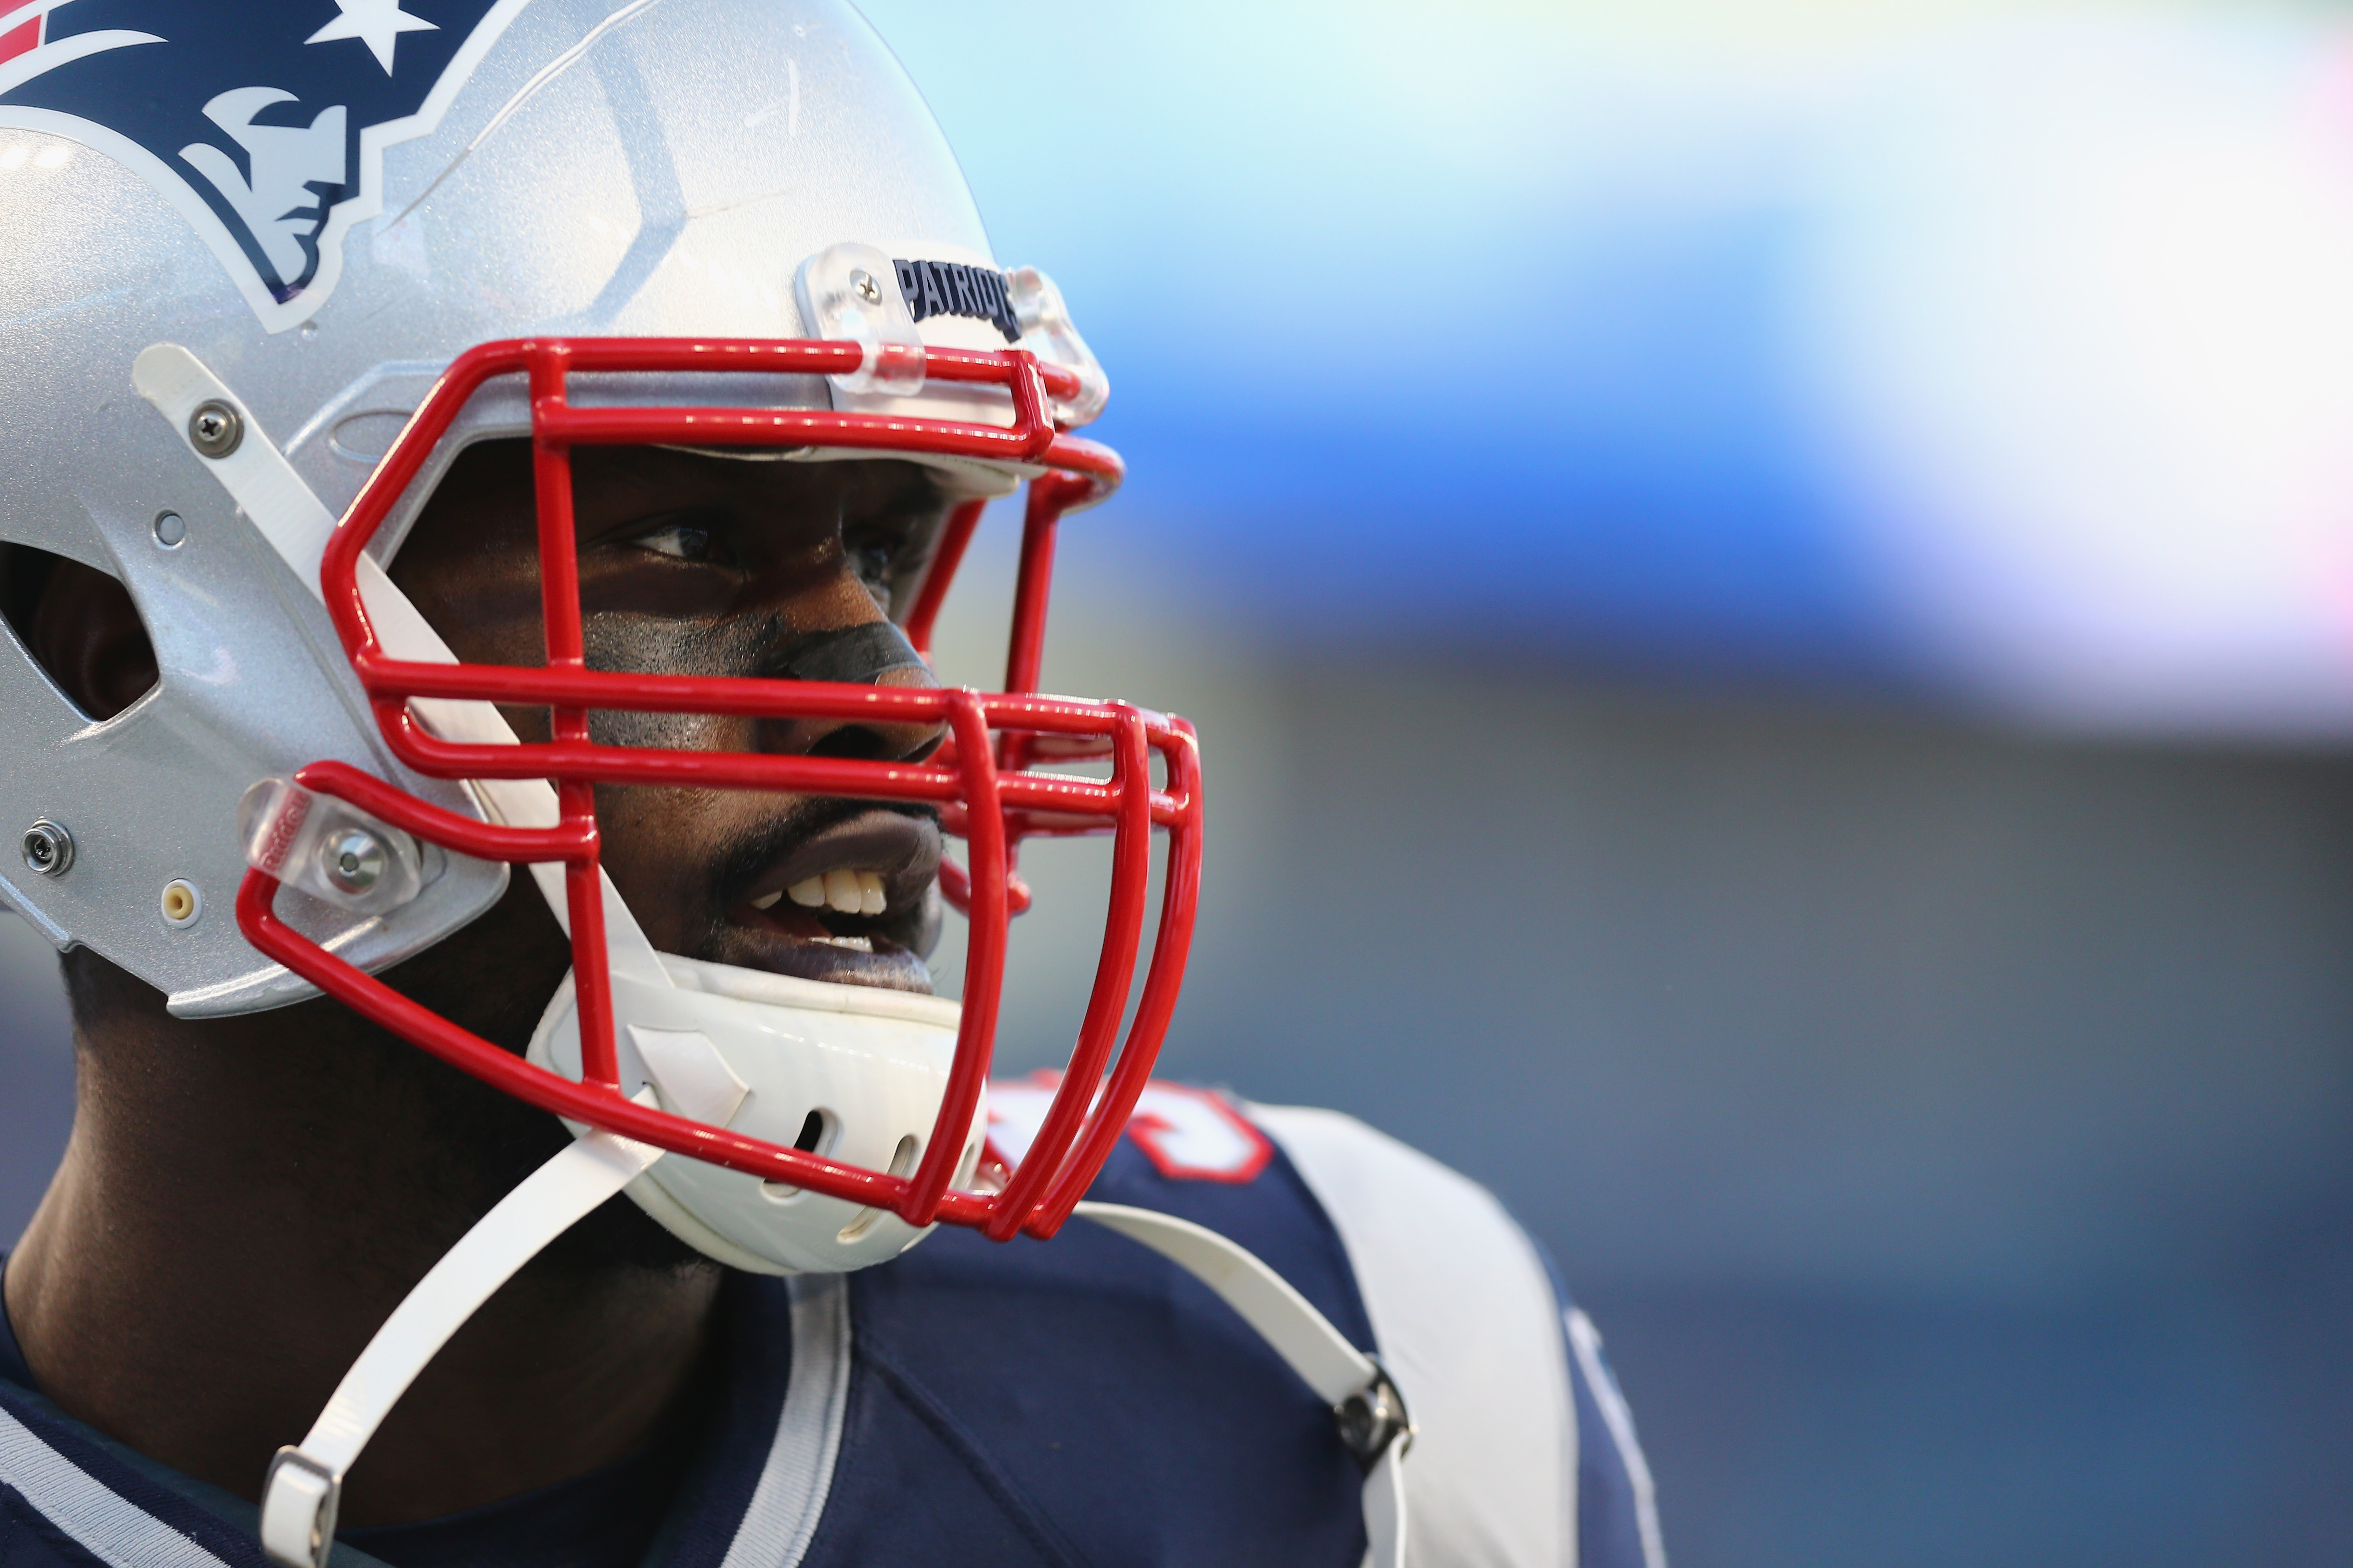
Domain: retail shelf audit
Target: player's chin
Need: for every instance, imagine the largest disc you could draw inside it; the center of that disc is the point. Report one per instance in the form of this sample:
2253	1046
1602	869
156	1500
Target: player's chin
882	951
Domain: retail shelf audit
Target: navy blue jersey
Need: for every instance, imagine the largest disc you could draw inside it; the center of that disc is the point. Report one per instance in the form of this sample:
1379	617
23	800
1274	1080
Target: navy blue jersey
1077	1402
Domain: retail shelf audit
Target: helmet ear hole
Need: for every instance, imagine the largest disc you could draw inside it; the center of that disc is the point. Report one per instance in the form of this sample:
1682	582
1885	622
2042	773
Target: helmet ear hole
23	572
81	626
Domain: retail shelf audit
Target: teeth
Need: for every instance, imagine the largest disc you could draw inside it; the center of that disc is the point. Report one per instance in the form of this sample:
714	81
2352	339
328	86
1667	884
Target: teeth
841	890
854	944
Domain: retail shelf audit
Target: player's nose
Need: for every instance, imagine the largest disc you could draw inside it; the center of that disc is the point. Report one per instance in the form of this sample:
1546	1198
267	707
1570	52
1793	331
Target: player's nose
872	652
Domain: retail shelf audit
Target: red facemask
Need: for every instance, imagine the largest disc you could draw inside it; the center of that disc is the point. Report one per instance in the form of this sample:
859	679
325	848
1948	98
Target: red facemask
984	780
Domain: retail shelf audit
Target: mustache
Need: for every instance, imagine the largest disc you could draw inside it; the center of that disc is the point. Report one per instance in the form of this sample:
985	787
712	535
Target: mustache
746	856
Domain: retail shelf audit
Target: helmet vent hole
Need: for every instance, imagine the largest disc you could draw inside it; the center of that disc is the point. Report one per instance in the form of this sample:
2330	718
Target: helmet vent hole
820	1129
902	1162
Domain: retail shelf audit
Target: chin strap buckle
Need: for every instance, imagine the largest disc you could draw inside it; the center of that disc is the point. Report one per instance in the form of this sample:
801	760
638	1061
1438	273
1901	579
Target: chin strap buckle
298	1509
1365	1403
305	1483
1373	1417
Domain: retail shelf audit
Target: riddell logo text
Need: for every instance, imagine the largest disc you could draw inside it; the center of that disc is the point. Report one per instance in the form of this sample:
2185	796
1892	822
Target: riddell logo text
282	832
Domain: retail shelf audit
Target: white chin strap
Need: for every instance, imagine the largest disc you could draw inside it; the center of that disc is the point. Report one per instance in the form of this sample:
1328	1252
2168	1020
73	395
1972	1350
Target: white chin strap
299	1499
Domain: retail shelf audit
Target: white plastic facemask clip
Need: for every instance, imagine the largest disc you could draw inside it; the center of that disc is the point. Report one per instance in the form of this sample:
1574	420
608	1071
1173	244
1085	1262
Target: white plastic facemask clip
1047	331
852	292
327	848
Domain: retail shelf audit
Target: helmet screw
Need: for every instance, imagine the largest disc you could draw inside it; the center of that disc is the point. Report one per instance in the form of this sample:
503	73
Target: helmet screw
354	859
215	429
49	848
868	290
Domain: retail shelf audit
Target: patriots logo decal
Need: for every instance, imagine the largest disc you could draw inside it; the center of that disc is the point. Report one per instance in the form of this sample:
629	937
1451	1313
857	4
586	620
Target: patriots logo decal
264	123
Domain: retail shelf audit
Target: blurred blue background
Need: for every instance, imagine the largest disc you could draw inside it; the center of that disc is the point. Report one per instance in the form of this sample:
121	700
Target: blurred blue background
1998	351
1769	586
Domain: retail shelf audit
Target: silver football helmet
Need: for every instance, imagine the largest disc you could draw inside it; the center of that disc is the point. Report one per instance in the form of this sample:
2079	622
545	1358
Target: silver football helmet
265	281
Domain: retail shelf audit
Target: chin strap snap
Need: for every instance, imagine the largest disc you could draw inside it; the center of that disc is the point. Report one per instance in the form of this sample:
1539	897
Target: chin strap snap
1365	1403
298	1501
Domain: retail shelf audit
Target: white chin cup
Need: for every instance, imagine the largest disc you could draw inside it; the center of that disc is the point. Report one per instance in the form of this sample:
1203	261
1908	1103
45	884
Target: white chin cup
762	1054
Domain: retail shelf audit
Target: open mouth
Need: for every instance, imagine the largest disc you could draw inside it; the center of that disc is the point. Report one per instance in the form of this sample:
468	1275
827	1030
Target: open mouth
855	904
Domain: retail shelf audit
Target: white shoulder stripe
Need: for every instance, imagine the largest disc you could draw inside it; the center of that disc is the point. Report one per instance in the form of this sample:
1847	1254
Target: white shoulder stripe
1467	1323
1586	1340
111	1527
790	1497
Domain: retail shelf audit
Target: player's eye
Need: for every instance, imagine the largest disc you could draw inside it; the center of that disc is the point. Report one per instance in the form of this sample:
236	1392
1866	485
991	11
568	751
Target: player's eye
688	538
682	541
888	529
871	560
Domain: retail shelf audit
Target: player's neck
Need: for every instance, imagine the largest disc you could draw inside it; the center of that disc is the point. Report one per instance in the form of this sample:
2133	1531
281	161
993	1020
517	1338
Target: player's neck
201	1307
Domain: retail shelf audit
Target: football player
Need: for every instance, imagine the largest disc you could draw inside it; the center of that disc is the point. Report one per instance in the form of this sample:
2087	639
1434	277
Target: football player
482	476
